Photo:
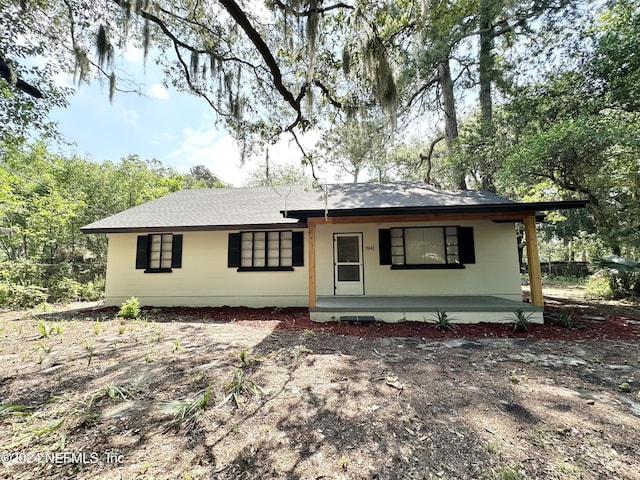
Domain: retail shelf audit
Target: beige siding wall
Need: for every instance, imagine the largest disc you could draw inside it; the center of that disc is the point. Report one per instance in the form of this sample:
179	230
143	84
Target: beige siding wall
203	280
496	271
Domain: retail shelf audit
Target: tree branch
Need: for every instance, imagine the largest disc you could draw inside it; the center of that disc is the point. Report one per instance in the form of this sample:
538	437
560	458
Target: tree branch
9	75
429	156
311	11
243	22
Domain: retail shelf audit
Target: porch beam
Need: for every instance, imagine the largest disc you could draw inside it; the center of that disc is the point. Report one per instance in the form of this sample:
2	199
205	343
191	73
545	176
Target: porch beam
533	260
312	264
503	216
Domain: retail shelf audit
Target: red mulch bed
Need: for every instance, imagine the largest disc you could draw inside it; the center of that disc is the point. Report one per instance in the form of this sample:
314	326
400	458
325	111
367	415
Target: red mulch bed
297	319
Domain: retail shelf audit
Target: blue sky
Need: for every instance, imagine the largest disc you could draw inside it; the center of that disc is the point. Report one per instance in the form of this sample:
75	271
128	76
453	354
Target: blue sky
174	127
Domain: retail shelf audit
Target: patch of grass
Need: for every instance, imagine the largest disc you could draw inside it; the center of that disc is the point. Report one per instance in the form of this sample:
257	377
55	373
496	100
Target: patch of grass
522	320
569	468
89	348
240	385
189	409
515	378
624	387
96	326
30	435
45	348
511	474
491	447
111	391
44	329
14	410
122	329
443	320
176	346
567	319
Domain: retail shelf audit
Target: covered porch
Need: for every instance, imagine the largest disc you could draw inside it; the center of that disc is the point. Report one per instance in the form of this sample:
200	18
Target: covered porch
460	309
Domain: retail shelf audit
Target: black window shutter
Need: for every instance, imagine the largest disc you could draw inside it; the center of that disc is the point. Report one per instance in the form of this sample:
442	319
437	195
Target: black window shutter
233	258
384	246
142	250
466	247
298	249
176	252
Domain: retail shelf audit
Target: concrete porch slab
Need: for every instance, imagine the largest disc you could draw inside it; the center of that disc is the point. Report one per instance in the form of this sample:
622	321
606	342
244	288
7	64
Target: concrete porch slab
461	309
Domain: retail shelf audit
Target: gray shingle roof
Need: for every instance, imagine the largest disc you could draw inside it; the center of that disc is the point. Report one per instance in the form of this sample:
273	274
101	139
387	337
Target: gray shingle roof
391	195
204	209
225	208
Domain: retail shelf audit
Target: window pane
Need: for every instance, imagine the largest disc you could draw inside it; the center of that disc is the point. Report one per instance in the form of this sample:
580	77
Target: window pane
397	260
348	273
286	261
452	231
348	249
424	246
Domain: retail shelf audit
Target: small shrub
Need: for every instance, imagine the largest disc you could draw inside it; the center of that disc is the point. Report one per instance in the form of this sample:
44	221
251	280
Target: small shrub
27	296
6	295
91	291
522	320
598	286
130	308
442	319
567	319
64	289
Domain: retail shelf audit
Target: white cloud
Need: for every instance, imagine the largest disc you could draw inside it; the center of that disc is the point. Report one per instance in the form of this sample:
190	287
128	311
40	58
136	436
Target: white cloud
130	117
219	152
133	54
158	92
209	147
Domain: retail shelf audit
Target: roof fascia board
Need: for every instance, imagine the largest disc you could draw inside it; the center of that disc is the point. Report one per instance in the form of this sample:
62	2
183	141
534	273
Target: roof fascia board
198	228
439	210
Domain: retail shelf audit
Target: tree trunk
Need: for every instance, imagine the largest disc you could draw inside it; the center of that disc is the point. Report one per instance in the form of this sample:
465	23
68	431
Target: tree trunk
486	69
450	117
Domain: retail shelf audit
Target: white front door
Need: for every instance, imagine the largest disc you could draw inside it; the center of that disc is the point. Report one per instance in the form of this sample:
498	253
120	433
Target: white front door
347	261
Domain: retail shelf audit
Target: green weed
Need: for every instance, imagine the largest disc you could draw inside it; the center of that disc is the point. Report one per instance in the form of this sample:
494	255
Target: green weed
240	385
442	319
522	320
188	409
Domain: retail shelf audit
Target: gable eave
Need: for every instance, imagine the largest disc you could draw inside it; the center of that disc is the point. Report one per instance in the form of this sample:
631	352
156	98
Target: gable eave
524	208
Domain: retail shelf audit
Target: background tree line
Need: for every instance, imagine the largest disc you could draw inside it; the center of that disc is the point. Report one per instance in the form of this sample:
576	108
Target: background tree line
44	200
533	99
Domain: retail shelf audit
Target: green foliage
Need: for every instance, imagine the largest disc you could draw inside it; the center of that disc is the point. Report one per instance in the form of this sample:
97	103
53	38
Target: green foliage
287	174
522	320
130	309
443	321
45	198
21	296
567	319
623	275
239	386
599	286
188	409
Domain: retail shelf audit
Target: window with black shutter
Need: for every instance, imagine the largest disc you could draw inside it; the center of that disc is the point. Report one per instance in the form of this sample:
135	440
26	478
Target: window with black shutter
266	250
159	252
426	247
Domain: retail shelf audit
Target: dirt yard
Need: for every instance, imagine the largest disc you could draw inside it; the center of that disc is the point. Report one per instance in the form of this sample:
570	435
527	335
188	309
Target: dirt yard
262	394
